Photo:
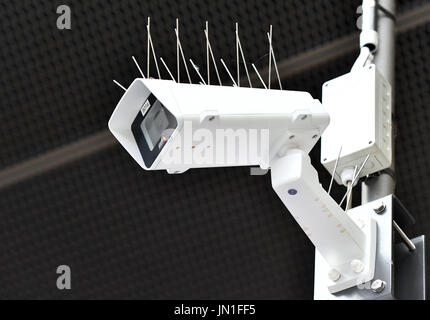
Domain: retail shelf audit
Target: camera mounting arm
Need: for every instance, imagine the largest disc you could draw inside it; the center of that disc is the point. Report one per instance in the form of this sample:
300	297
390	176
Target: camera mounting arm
347	246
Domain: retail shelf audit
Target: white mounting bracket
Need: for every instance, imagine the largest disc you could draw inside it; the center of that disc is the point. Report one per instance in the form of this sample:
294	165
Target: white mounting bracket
347	245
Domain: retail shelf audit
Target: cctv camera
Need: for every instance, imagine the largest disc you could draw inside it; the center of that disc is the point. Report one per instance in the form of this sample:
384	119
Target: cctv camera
175	126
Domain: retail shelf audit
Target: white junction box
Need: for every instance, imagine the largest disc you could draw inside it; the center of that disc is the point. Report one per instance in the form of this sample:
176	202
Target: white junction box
359	105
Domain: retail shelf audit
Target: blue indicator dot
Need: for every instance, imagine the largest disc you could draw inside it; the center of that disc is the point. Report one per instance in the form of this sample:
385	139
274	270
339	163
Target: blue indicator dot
292	192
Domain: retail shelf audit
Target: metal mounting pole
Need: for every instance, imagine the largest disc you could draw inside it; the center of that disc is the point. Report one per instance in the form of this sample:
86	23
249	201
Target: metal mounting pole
408	262
384	184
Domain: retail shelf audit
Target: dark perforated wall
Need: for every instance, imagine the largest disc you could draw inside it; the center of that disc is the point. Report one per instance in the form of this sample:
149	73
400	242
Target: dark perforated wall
56	86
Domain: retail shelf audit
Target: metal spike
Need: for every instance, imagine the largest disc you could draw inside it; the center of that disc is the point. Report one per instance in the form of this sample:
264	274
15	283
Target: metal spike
270	57
197	70
355	178
119	85
274	61
259	76
148	48
349	197
167	68
207	53
243	60
404	237
177	52
153	53
213	58
183	56
138	67
237	54
228	71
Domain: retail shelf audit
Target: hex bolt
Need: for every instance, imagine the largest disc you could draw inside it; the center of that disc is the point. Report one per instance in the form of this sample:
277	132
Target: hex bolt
380	209
334	275
357	266
378	286
292	192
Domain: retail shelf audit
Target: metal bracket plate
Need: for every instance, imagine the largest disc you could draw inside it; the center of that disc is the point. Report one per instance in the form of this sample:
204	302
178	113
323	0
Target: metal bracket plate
383	261
405	281
409	268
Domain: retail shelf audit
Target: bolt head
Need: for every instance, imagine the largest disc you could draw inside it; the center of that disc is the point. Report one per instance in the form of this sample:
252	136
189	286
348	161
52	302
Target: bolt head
292	192
380	209
357	266
378	286
333	275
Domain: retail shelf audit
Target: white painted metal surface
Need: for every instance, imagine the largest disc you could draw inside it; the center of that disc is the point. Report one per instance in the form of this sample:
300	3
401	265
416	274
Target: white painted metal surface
346	244
359	104
291	119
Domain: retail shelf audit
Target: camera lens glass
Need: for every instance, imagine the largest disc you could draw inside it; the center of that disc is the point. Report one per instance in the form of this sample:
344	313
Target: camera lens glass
154	125
152	129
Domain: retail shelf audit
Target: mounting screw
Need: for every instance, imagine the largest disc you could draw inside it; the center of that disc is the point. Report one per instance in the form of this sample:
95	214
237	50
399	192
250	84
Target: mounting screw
333	275
357	266
292	192
380	209
378	286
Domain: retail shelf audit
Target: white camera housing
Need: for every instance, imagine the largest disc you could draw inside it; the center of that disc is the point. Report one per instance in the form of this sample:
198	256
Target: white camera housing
280	119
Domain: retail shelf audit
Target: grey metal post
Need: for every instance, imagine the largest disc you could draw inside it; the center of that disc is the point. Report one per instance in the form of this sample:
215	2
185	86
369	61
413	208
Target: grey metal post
384	184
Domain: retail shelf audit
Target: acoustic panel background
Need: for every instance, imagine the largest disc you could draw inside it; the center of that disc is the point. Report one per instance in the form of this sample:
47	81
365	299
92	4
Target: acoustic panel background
127	233
56	86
